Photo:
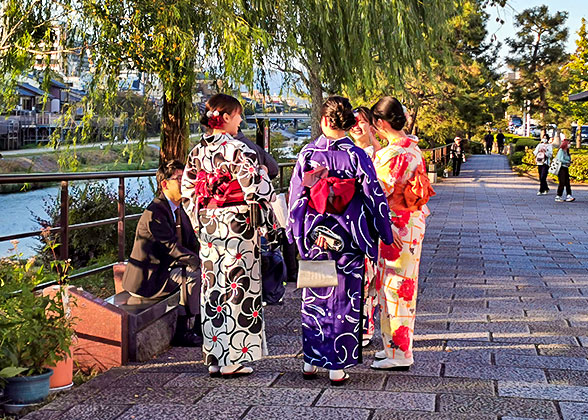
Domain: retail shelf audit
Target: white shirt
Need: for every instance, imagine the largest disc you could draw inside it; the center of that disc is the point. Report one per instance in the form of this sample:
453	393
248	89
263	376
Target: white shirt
173	207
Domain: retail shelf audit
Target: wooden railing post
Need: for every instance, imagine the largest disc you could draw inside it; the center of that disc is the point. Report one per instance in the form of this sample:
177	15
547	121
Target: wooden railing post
121	219
281	185
64	221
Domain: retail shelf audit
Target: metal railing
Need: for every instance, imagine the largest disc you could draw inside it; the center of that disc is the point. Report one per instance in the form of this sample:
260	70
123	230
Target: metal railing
439	155
64	228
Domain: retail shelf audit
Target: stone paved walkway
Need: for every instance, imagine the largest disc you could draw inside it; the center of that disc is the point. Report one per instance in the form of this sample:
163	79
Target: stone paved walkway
502	329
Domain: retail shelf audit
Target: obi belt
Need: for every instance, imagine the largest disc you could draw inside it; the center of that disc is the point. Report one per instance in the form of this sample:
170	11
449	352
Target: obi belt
328	194
218	189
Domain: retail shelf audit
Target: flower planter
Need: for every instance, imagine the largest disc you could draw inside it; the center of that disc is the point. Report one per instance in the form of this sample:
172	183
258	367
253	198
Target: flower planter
28	389
62	377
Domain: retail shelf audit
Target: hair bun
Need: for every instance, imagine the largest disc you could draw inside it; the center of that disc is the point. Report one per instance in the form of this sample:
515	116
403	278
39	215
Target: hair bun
390	110
339	112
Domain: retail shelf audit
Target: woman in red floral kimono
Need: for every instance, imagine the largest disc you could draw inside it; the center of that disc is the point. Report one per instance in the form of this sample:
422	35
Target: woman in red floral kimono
401	171
225	190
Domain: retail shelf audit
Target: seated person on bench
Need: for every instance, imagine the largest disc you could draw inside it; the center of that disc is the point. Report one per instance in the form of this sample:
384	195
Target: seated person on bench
165	255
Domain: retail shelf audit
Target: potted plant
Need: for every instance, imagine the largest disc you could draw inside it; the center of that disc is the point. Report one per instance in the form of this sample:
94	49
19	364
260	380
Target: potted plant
35	330
62	377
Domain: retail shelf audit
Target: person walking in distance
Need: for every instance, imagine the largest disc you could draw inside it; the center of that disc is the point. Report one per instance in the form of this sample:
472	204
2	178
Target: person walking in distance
543	153
456	155
563	155
488	141
500	141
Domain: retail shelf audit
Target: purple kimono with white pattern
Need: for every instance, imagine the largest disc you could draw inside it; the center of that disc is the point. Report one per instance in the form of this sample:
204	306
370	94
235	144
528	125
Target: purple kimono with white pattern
332	316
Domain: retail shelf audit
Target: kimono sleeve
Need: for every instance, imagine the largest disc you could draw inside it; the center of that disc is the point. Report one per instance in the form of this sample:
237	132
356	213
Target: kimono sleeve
296	200
189	199
390	170
374	198
253	180
257	188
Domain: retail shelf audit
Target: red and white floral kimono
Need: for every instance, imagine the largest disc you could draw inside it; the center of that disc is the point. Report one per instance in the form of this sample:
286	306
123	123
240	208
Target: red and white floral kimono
399	167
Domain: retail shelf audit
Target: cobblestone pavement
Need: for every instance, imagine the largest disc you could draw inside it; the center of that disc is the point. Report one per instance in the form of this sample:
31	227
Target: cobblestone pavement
502	329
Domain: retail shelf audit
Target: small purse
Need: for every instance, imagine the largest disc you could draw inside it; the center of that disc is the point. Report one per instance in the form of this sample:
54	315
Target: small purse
316	274
555	167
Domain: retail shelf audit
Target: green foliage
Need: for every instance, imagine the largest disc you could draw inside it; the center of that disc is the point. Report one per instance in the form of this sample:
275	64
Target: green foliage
524	143
529	157
579	167
35	330
513	138
345	46
538	52
517	158
458	91
90	202
475	147
577	74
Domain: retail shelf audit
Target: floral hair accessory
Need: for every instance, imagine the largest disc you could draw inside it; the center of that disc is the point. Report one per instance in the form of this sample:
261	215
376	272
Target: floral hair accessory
215	120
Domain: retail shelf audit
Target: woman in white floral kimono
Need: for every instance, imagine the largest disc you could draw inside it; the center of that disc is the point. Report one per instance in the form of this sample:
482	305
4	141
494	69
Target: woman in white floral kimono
227	197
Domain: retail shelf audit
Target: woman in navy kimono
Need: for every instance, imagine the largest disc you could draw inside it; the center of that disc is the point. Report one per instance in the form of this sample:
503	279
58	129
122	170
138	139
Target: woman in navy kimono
335	193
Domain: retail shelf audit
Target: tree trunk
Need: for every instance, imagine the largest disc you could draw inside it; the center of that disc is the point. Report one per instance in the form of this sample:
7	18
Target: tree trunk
412	121
174	127
542	106
316	97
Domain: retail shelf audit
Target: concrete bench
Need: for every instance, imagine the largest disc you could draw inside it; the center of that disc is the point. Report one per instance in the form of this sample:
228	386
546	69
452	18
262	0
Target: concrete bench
121	328
150	323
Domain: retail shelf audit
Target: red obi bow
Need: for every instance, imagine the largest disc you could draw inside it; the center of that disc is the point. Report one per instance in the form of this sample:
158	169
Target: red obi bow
217	188
328	194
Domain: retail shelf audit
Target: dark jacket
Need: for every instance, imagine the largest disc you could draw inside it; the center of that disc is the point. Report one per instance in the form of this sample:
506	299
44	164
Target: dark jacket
500	139
263	157
156	249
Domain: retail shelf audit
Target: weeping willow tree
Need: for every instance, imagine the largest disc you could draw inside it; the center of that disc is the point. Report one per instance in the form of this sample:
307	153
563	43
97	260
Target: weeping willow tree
174	41
35	35
170	42
341	45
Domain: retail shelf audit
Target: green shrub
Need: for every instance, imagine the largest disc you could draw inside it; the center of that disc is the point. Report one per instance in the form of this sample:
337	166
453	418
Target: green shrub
529	157
475	148
90	202
517	158
524	142
579	167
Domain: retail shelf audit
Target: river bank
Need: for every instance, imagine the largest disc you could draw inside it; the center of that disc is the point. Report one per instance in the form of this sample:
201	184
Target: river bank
111	158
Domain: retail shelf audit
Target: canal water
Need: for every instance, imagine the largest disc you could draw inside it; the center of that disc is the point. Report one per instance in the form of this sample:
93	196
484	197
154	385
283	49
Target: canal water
18	211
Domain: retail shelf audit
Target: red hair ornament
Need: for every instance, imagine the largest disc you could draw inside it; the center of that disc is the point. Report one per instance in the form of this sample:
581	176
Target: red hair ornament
215	119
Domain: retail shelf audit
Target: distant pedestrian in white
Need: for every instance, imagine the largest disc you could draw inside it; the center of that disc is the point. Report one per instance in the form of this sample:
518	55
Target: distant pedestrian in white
543	153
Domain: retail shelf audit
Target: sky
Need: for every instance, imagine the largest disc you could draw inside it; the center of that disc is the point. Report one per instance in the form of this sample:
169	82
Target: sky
577	9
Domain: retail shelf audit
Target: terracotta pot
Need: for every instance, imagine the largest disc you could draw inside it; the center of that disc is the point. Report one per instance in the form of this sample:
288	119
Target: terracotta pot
62	374
62	377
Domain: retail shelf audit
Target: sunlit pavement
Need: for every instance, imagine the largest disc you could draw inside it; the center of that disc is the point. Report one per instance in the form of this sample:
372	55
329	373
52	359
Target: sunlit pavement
501	333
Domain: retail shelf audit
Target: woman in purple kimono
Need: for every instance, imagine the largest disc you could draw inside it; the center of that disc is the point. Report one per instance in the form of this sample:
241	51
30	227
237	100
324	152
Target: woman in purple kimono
335	194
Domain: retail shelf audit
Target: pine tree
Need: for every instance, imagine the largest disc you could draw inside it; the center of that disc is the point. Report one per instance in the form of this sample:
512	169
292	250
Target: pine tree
538	52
